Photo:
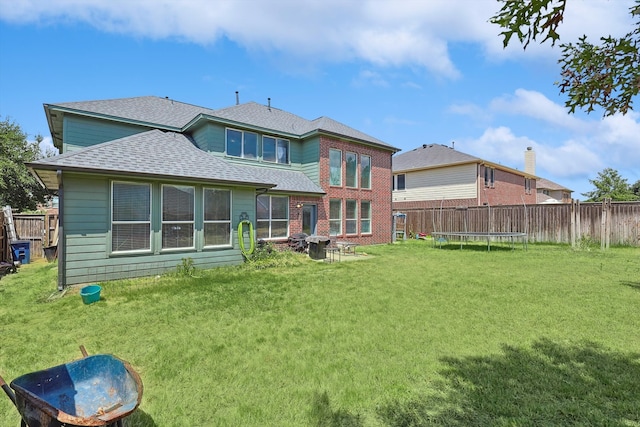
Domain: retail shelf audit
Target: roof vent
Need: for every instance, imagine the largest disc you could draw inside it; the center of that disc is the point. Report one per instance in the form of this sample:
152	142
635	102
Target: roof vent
269	103
237	98
424	145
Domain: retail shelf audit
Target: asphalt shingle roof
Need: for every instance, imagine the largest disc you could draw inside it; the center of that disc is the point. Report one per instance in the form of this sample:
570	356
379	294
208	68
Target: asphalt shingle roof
170	154
168	113
146	109
428	156
549	185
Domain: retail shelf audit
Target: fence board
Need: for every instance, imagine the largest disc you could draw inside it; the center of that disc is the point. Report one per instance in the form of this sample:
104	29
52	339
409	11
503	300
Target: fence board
554	223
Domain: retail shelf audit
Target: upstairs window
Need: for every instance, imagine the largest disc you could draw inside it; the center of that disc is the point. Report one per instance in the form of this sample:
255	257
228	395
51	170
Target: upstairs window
275	150
242	144
177	216
130	217
352	170
399	182
365	172
527	186
335	167
489	177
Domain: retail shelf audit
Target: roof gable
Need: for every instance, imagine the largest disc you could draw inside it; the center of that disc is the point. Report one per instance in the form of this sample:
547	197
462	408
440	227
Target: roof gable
429	156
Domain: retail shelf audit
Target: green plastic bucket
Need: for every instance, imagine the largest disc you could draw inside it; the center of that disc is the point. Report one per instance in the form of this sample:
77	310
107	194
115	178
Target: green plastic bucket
90	294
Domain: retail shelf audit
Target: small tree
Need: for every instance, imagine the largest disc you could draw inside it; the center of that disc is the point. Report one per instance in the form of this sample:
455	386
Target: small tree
635	189
605	74
610	185
18	188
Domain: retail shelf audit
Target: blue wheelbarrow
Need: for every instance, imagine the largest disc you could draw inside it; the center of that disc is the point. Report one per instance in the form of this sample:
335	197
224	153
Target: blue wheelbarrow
97	390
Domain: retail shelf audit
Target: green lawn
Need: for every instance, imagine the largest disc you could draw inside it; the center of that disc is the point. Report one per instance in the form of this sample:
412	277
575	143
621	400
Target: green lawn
410	335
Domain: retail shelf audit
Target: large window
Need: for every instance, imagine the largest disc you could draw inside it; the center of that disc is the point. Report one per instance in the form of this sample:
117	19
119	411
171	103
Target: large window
489	177
177	216
242	144
217	217
335	217
275	150
130	217
352	217
365	171
352	169
365	217
335	167
272	217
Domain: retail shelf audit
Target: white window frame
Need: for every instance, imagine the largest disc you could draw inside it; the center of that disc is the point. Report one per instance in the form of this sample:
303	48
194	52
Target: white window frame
365	183
351	221
351	172
333	183
277	142
270	220
365	219
216	221
335	223
243	144
527	185
177	223
115	223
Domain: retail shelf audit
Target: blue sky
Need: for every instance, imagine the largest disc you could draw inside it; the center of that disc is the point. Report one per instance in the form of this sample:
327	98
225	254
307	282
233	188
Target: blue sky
408	72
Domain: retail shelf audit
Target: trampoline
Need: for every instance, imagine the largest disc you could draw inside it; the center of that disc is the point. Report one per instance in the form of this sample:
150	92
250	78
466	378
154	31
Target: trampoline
440	236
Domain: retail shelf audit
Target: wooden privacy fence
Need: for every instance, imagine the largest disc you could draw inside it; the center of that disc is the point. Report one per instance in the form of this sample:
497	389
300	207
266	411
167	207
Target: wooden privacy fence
39	229
607	223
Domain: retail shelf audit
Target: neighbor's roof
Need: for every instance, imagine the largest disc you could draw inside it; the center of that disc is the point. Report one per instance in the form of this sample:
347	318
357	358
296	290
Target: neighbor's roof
542	183
438	155
430	156
164	155
169	114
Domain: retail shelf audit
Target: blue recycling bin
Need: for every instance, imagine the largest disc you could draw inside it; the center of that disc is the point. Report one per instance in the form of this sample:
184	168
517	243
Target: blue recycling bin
20	251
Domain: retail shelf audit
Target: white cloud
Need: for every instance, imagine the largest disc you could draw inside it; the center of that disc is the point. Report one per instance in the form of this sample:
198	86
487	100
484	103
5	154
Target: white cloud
537	106
470	110
368	77
383	32
567	159
592	142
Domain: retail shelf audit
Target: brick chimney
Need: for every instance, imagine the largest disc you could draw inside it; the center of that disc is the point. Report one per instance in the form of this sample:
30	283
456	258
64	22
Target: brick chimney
530	161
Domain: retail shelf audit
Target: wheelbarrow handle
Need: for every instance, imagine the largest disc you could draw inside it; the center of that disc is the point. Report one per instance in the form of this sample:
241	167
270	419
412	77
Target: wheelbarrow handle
7	390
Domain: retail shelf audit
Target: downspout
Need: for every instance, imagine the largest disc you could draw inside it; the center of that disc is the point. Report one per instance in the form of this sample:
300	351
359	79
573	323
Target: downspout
62	254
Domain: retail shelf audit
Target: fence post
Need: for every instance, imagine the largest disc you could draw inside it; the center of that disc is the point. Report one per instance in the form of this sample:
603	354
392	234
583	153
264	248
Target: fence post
605	224
573	223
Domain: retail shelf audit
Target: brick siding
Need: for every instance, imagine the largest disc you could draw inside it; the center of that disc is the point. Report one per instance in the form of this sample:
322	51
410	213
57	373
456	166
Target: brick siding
379	194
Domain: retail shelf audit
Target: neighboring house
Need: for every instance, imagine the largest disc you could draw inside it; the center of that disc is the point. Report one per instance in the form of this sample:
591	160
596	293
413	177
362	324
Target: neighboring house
547	191
550	192
436	175
145	182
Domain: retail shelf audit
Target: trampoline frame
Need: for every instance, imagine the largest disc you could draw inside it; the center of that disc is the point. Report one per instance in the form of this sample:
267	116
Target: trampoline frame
488	235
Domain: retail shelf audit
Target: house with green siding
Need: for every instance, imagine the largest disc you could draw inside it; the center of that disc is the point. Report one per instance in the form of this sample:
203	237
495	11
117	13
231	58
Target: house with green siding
147	181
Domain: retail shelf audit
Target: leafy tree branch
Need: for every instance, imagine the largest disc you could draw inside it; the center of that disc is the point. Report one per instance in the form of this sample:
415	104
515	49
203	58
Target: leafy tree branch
605	75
